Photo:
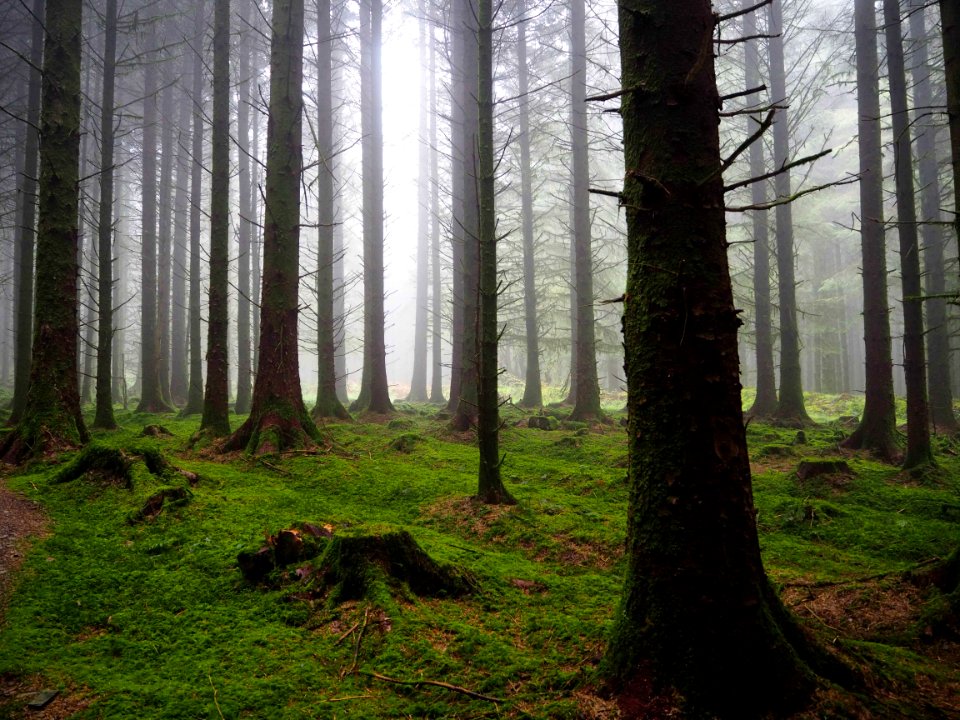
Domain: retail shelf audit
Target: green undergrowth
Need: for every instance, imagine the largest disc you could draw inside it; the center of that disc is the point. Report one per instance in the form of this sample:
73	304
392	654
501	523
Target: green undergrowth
152	619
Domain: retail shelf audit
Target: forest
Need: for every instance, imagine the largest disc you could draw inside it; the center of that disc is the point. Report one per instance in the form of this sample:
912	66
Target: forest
462	359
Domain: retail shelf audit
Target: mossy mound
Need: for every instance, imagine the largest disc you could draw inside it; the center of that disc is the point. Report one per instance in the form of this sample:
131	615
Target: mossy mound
405	443
354	566
168	497
155	431
543	422
99	464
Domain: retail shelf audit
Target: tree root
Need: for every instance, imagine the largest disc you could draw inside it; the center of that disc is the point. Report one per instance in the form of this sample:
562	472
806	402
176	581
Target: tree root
434	683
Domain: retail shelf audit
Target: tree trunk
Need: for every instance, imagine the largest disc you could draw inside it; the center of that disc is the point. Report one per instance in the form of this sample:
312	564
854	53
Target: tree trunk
532	388
790	407
950	25
765	402
246	227
51	420
178	326
490	487
26	221
278	418
935	285
104	410
216	409
418	383
436	380
255	242
877	429
374	391
699	625
195	390
328	404
151	400
914	368
587	395
165	235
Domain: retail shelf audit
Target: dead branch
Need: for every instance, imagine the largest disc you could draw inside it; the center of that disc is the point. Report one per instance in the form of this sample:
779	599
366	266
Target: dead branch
779	171
743	11
796	196
434	683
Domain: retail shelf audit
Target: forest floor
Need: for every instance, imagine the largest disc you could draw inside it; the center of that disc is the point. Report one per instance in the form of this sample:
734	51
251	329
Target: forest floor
130	610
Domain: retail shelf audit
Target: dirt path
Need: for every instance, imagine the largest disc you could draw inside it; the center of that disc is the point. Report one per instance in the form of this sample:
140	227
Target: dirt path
20	519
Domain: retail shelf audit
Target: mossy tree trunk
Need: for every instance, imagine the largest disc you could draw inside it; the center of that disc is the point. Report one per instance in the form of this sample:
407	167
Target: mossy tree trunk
914	357
195	387
216	409
790	404
104	407
877	429
765	402
26	221
950	27
328	404
932	232
586	396
698	624
245	222
532	388
51	420
490	487
278	418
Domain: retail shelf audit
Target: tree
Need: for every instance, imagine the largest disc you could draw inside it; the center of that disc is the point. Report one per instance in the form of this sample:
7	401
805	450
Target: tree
179	379
278	418
950	27
914	361
586	395
246	224
51	420
216	409
104	412
328	404
374	392
436	378
790	405
877	428
698	625
26	217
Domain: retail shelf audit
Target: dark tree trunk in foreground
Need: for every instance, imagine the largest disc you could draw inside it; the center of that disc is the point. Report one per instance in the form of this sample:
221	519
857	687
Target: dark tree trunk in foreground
699	625
151	400
490	487
216	409
51	419
418	383
950	24
877	430
374	392
765	402
328	404
178	314
790	405
914	358
26	220
278	418
586	396
532	389
436	379
932	233
104	412
195	390
245	222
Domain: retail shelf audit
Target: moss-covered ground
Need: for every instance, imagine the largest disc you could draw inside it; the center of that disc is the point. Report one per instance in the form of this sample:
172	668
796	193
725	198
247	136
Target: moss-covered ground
133	617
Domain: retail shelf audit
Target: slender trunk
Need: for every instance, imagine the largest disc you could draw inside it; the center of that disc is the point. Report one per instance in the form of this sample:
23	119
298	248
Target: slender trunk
932	233
181	212
246	227
104	410
790	407
165	235
532	390
418	384
216	410
278	418
950	25
26	221
119	294
436	377
765	402
255	243
587	396
51	420
457	189
374	391
914	367
328	404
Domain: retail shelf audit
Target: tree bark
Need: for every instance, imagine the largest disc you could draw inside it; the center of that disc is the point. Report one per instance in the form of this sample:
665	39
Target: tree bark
245	222
216	410
374	392
51	420
436	378
790	406
104	406
919	452
950	27
179	380
877	429
932	233
699	625
278	418
165	235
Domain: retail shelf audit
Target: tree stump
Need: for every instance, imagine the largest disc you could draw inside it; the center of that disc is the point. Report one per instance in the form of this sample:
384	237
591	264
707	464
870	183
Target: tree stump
106	465
808	469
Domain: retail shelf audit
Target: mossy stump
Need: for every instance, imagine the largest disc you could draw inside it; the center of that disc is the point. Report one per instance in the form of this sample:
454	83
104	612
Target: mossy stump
165	498
808	469
303	541
105	465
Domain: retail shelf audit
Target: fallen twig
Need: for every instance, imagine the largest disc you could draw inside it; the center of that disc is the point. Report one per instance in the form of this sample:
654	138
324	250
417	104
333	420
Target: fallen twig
348	697
217	704
435	683
346	634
